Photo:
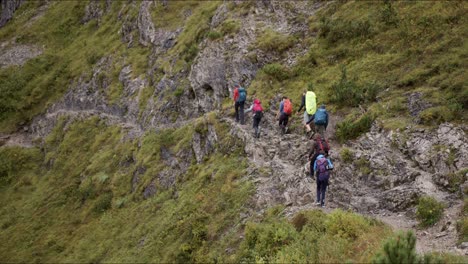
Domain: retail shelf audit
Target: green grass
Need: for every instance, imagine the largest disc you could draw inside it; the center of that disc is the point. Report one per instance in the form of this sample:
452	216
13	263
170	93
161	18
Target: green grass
78	190
388	50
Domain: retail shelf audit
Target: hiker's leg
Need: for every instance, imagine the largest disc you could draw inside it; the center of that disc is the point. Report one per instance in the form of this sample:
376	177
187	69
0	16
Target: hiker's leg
321	130
236	107
241	109
323	187
311	172
318	191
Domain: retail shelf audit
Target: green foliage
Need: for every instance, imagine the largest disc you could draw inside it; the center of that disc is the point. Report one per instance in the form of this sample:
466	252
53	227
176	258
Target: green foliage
230	27
311	236
16	162
346	155
336	30
429	211
276	71
363	165
352	127
456	179
388	14
398	250
349	93
462	223
214	35
272	41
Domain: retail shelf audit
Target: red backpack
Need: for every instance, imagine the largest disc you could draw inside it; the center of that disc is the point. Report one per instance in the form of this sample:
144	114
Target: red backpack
322	146
287	107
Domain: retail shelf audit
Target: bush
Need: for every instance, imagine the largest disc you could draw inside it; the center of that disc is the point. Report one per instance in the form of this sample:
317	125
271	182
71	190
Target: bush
348	93
272	41
335	30
351	129
437	115
429	211
398	250
214	35
346	155
230	26
388	15
346	225
103	203
277	71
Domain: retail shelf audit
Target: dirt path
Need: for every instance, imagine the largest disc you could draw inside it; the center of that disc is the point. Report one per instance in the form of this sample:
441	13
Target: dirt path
278	170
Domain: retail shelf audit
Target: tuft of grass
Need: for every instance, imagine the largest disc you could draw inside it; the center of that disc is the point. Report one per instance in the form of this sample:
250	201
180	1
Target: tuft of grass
352	127
429	211
346	155
276	71
272	41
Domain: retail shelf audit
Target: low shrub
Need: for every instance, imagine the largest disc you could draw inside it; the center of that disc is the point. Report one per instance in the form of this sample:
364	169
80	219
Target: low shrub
346	225
335	30
347	92
276	71
352	128
230	27
346	155
429	211
272	41
214	35
103	203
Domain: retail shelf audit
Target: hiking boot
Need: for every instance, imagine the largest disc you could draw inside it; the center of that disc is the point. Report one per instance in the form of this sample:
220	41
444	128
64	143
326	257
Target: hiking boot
323	205
317	203
286	129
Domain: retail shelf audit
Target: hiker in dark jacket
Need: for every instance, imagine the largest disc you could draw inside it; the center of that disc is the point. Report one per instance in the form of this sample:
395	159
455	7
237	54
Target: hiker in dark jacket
285	109
319	147
322	167
303	97
257	111
240	95
321	120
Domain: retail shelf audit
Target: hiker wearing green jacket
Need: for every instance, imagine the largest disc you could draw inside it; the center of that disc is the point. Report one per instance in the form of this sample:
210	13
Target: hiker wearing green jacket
308	101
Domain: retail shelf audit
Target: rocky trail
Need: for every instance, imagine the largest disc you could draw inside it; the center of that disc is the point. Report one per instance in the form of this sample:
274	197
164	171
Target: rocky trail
278	168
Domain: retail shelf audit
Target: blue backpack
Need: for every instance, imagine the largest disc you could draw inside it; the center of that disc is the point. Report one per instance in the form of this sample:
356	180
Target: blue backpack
320	117
322	169
242	95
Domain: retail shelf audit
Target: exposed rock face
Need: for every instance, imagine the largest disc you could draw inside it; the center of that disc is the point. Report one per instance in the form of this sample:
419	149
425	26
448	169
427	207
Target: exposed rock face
417	104
95	10
145	24
7	9
17	54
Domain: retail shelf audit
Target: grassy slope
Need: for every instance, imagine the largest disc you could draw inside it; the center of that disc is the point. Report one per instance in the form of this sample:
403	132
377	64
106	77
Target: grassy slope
72	200
387	51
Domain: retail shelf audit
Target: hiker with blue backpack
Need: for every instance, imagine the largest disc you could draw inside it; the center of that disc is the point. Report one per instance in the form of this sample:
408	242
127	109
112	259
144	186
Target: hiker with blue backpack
322	168
257	111
321	120
240	95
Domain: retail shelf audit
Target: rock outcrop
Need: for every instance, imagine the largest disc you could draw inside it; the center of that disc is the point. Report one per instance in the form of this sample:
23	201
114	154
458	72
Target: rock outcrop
7	9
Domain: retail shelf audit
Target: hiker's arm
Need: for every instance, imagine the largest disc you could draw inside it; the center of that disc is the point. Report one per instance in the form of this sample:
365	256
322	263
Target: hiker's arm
330	164
248	110
302	104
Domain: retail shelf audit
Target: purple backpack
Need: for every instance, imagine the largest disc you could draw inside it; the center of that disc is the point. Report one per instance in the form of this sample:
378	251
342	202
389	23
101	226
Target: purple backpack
323	173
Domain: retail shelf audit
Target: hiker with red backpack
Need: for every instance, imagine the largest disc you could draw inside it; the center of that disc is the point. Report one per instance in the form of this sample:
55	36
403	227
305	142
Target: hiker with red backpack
285	110
257	111
322	167
240	95
319	146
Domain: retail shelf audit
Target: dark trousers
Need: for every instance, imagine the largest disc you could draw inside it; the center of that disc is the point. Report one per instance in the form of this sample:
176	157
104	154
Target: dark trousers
256	123
321	189
239	106
283	120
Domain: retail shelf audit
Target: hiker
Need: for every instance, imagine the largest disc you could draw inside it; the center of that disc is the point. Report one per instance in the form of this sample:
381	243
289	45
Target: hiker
240	95
308	101
285	110
257	110
321	120
322	167
319	146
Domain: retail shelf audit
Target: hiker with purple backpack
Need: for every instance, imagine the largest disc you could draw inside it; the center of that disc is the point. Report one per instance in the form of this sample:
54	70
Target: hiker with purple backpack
322	168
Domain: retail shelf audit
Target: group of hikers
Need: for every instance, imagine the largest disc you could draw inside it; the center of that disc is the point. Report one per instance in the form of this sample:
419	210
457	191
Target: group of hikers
315	123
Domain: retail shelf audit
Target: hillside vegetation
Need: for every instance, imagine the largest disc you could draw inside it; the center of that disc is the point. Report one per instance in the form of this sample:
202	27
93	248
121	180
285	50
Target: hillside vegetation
90	192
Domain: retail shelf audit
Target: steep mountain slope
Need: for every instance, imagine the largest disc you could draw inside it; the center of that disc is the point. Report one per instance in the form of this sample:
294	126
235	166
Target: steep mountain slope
119	144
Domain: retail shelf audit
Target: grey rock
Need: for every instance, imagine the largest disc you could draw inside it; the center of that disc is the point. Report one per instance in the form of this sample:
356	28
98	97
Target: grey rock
7	9
149	191
18	54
